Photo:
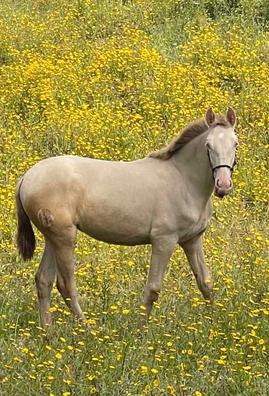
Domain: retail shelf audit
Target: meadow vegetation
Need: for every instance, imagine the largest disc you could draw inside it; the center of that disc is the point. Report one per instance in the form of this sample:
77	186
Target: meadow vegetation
116	79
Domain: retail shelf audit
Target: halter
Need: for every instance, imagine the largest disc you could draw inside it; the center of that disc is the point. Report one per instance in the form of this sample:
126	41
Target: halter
213	168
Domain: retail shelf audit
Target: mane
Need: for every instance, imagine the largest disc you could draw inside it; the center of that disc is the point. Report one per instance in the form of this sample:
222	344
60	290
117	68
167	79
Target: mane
187	134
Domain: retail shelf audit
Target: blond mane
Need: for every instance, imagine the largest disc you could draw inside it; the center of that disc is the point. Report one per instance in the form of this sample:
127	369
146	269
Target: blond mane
187	134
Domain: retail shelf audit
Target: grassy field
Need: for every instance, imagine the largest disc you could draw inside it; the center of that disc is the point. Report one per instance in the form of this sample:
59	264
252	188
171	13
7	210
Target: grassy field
116	79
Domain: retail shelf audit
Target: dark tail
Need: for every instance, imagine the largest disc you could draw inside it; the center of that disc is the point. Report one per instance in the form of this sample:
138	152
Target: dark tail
25	235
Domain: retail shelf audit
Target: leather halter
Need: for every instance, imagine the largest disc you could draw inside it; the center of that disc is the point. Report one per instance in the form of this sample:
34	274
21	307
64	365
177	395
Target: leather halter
213	168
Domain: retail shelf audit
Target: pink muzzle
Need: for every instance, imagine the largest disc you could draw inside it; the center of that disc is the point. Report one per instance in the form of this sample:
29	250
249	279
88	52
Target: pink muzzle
223	181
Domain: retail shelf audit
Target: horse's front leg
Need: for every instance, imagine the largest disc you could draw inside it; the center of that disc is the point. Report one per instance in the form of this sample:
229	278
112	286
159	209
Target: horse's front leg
162	249
195	254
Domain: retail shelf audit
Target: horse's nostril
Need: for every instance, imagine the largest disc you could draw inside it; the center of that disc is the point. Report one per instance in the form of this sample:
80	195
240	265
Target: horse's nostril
218	183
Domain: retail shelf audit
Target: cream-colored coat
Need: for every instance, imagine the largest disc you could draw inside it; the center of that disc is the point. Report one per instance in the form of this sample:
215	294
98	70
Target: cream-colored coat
163	200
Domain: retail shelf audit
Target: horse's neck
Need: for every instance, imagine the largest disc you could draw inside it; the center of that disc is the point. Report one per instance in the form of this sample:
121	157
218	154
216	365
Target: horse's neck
192	161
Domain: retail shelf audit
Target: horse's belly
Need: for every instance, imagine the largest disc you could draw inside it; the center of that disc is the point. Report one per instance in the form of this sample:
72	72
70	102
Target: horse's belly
118	228
118	237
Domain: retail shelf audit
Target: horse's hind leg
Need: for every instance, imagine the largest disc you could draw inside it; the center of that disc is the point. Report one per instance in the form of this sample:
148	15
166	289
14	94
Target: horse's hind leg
64	254
195	254
67	288
44	278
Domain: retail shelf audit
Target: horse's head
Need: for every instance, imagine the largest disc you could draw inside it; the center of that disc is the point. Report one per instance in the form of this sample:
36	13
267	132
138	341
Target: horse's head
221	146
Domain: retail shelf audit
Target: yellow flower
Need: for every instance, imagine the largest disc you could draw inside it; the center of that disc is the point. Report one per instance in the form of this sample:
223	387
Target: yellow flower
156	383
147	389
171	390
143	370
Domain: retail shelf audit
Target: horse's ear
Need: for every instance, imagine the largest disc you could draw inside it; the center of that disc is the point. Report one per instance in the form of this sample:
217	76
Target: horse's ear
210	116
231	116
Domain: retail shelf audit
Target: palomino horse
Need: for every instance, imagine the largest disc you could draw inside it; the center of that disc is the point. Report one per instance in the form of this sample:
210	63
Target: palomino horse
162	200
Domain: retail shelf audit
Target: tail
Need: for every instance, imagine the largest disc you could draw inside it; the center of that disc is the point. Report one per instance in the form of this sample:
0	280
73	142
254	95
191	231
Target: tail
25	235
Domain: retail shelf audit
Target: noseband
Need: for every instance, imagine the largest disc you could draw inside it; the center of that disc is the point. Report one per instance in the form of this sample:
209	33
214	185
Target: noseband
213	168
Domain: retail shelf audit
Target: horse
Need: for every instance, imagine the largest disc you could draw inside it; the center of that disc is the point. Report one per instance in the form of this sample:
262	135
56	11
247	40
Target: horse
163	199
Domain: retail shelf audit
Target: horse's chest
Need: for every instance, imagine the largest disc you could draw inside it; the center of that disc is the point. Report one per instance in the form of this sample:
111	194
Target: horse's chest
191	224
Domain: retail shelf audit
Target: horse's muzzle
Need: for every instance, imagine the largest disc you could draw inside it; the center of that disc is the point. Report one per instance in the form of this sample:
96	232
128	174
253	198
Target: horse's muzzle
223	182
